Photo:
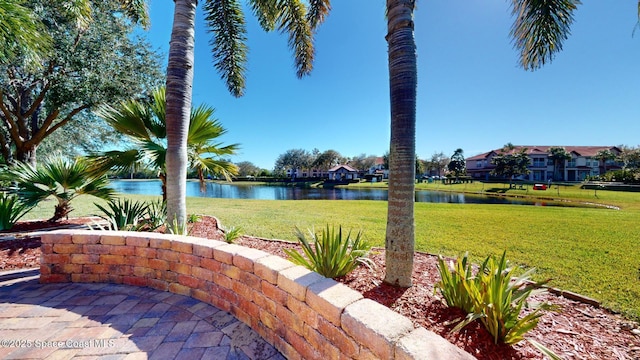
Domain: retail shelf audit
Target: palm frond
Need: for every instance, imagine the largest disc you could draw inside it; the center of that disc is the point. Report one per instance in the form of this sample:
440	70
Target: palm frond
214	166
293	21
318	10
203	127
225	21
156	153
61	178
158	107
136	10
114	160
130	118
267	12
216	149
80	10
539	29
21	32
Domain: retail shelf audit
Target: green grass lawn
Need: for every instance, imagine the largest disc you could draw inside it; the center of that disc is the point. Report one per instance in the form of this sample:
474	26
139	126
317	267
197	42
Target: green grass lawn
590	251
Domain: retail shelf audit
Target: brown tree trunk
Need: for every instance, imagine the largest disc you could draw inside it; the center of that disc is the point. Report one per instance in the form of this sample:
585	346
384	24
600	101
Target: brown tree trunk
400	234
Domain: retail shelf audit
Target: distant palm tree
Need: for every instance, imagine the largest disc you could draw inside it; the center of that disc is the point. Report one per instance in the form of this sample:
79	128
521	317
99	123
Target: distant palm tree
145	125
558	155
60	178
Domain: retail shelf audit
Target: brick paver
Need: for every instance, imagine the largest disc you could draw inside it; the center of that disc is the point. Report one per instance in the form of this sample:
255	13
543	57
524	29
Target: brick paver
108	321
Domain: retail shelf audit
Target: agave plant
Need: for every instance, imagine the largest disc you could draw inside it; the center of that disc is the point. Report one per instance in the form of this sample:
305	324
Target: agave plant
331	254
11	210
495	296
60	178
453	283
129	215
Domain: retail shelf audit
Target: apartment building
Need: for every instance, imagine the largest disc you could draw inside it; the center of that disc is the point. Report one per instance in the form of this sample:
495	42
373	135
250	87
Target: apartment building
583	163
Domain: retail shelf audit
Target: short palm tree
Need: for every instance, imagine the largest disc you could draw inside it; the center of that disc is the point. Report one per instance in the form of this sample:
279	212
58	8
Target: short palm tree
145	125
60	178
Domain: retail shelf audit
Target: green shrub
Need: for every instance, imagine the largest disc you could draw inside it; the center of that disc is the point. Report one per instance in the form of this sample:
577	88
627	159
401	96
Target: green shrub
177	228
331	254
495	296
128	215
193	218
453	284
232	233
11	210
156	214
124	215
60	178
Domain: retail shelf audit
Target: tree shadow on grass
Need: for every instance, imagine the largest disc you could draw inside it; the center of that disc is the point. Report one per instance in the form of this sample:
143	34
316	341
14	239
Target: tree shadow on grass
497	190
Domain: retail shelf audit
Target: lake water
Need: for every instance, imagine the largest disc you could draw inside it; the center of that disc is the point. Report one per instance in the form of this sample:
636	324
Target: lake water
265	192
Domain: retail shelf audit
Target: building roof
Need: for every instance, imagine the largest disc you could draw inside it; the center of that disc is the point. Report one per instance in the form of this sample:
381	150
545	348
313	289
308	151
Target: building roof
346	167
544	150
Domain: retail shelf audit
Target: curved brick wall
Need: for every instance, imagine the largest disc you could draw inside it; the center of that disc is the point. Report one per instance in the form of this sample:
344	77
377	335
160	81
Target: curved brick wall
303	314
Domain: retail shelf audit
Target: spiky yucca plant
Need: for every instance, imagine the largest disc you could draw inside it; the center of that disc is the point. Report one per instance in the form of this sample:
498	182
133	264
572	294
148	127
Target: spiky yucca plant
495	296
11	210
331	254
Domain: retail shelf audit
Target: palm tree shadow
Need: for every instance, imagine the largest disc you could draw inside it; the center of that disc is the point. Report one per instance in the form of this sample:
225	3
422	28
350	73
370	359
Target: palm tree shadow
385	294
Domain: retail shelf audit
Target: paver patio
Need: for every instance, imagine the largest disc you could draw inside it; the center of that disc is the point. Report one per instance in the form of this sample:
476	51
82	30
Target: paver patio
108	321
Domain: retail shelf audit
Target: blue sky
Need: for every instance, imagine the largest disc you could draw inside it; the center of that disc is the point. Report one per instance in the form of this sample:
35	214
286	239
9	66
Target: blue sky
471	93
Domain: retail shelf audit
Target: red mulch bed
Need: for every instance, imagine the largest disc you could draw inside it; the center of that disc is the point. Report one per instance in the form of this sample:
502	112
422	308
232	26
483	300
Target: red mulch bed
579	331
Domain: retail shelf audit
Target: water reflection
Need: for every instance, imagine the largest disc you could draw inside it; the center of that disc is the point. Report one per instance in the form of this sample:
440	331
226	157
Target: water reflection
264	192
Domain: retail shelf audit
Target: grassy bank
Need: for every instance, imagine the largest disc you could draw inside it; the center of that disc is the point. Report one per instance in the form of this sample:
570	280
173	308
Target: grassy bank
590	251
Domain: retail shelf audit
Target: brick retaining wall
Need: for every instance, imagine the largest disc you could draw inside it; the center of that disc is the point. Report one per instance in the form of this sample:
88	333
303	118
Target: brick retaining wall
303	314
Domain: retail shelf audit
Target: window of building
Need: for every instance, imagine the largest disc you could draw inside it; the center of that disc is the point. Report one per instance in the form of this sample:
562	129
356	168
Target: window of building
539	162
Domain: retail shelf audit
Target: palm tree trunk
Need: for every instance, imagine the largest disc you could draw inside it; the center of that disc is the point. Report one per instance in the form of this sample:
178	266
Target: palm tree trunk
178	95
400	233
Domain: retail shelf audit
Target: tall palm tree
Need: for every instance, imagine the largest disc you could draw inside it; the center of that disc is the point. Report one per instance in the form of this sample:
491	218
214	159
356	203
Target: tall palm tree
400	234
225	21
145	125
539	29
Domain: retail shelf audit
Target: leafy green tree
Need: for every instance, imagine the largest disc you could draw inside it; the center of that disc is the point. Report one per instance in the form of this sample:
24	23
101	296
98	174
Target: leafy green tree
294	159
629	157
458	164
438	162
327	159
510	164
247	168
145	125
61	179
363	161
420	167
558	155
604	156
101	63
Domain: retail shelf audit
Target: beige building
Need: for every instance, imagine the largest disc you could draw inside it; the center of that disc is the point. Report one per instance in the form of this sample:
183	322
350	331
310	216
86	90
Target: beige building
541	166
